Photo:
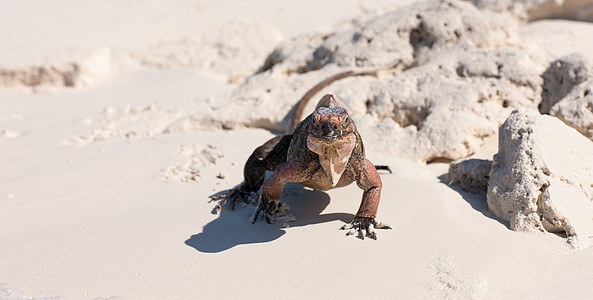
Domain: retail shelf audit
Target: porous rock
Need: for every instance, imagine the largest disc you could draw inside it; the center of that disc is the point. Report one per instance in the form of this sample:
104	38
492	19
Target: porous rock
531	10
398	39
568	92
576	110
403	37
450	79
561	77
541	177
472	175
445	108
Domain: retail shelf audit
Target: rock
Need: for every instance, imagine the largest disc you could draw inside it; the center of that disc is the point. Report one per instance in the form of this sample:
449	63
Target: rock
568	92
561	77
471	175
397	40
404	37
542	177
71	68
531	10
448	77
444	109
576	109
293	56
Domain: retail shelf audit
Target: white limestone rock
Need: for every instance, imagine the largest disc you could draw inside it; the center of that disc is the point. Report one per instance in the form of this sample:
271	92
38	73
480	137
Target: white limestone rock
531	10
444	109
471	175
568	92
577	111
449	77
404	37
294	56
542	177
399	38
561	77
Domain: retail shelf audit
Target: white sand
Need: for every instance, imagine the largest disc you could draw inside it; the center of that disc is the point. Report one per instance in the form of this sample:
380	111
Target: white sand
92	203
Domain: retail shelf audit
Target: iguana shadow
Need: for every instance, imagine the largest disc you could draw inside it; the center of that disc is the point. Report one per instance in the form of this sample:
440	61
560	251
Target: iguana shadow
234	228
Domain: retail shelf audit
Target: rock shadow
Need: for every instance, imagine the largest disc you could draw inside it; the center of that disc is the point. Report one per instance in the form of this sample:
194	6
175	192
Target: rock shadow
234	228
476	201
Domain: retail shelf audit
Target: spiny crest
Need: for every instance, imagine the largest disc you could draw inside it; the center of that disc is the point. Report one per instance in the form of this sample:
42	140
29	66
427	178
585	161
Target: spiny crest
327	106
327	101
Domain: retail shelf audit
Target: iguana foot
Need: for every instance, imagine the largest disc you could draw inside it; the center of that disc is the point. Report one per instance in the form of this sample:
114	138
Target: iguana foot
238	192
365	227
272	211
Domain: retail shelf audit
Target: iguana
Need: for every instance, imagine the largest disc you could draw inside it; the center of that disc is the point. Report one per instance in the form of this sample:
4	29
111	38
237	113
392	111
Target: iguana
325	151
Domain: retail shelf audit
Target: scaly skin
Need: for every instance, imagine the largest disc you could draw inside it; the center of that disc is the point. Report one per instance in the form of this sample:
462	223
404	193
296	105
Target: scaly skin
324	152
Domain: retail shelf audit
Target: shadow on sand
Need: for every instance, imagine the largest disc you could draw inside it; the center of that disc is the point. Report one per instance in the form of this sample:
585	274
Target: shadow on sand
476	201
234	228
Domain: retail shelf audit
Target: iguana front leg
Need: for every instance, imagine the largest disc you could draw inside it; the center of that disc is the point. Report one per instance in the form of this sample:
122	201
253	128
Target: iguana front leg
364	223
291	171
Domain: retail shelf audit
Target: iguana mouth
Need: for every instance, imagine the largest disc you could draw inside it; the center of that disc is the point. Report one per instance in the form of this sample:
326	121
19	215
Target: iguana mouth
329	138
333	154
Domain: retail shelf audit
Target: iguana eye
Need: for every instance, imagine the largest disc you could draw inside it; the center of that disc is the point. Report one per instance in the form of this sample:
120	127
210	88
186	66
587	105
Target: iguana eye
346	121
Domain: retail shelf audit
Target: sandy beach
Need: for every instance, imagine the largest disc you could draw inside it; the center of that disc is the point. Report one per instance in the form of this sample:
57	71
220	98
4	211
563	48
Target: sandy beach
119	119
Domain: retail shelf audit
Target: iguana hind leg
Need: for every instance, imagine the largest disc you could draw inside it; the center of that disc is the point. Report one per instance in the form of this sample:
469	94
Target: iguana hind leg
266	157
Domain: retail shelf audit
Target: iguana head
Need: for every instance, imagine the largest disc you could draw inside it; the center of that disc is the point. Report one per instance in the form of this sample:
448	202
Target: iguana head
331	136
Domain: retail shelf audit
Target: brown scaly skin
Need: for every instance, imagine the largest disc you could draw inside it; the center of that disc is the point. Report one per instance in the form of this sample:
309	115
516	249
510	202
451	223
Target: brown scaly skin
325	151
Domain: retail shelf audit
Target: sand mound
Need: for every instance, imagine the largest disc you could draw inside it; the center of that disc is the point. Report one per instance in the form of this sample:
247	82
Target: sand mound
236	49
448	283
196	157
127	123
69	68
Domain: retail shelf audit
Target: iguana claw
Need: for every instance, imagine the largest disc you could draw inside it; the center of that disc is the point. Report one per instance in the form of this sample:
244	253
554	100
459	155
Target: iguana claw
269	210
238	192
272	211
365	227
